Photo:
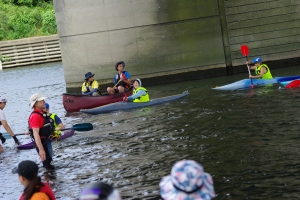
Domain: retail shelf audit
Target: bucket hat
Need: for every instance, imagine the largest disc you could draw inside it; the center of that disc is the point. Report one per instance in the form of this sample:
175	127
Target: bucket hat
187	181
99	191
88	75
36	97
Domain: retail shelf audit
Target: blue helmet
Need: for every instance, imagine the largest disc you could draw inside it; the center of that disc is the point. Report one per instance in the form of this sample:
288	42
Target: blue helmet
257	60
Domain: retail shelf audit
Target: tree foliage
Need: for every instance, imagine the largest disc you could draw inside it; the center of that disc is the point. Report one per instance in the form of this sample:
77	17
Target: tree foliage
26	18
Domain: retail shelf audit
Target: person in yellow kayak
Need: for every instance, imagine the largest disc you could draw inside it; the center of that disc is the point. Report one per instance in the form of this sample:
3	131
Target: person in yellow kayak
139	94
261	70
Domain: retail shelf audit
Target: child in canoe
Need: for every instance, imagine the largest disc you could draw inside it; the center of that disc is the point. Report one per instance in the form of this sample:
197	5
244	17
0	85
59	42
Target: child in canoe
139	94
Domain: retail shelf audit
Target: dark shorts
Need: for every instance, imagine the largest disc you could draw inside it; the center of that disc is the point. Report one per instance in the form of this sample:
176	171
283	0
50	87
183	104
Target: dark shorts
117	91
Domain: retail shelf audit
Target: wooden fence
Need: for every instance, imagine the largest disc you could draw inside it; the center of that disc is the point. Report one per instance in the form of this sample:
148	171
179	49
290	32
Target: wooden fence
30	51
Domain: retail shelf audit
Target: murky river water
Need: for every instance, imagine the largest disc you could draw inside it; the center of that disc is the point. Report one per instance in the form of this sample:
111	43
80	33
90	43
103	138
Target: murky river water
247	140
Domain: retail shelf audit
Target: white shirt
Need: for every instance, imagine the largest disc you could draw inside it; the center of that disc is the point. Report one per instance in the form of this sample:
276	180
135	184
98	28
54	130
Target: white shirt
2	115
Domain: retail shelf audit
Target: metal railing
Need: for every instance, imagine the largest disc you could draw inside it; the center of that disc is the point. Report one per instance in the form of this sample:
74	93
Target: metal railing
30	51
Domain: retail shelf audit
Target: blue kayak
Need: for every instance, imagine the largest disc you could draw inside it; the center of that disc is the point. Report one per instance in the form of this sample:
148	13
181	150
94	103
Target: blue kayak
130	105
246	83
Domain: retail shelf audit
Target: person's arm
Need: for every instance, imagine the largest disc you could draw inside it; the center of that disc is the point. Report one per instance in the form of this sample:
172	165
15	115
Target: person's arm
38	142
250	67
8	129
136	95
60	124
263	70
83	89
126	78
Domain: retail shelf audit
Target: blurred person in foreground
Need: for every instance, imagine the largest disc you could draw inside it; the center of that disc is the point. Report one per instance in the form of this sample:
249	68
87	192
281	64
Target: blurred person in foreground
99	191
187	181
34	189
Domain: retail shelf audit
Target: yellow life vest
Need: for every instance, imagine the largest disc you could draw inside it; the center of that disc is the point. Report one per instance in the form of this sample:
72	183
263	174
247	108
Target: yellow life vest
56	133
88	87
144	98
267	75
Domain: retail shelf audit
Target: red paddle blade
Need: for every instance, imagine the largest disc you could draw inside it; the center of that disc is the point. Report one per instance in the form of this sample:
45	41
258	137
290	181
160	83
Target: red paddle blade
293	84
244	50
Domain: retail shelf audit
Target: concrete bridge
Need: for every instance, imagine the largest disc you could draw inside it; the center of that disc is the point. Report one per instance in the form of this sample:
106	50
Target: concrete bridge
171	40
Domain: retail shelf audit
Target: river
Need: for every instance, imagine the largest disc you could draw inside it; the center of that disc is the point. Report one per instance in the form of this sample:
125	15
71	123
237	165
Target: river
246	139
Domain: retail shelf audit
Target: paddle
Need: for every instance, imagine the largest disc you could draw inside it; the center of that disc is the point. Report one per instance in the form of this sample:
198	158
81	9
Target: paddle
76	127
293	84
117	83
245	52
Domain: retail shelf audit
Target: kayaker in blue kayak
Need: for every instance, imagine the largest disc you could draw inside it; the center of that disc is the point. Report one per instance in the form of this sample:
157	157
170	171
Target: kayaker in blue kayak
261	70
121	80
90	86
139	94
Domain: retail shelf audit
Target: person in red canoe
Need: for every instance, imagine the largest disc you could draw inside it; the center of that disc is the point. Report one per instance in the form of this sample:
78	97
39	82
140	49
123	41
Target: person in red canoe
90	86
261	70
121	80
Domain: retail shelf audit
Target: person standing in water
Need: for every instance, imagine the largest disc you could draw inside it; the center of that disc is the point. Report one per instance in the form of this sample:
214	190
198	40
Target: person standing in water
41	127
4	123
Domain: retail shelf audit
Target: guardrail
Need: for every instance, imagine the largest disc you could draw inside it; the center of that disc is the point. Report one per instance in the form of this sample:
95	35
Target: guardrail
30	51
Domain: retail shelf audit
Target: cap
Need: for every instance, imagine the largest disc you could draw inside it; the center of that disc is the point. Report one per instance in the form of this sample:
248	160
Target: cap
2	99
88	75
99	191
119	63
257	60
138	80
36	97
47	105
27	168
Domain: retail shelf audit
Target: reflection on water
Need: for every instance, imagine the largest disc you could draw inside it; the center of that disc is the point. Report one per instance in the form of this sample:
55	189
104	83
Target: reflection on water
246	139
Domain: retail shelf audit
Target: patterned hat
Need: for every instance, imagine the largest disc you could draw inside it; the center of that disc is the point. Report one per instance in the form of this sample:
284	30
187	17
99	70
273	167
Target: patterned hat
187	181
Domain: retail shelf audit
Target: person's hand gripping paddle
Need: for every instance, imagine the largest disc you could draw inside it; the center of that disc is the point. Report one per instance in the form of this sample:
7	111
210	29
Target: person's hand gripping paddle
245	52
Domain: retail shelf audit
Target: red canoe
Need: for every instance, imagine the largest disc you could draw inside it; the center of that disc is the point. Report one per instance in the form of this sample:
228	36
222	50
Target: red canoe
73	102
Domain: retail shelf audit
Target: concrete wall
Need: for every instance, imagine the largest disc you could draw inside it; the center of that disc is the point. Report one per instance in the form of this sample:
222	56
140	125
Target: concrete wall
270	28
171	37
